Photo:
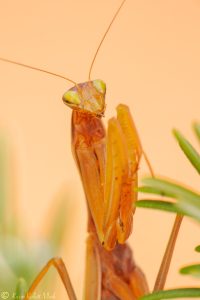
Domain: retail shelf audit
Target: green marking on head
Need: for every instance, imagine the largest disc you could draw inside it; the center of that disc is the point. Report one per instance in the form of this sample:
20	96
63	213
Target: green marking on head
100	86
72	97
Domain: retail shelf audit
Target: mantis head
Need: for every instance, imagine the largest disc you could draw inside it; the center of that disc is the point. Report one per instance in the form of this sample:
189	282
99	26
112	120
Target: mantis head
87	97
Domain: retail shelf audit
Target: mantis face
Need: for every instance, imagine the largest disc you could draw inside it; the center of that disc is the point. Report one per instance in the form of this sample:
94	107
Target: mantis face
88	97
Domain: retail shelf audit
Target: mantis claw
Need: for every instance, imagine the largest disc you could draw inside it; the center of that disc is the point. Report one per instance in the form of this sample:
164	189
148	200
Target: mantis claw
120	194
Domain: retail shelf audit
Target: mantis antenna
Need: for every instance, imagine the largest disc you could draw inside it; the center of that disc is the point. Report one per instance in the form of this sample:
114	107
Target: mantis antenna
103	38
61	76
36	69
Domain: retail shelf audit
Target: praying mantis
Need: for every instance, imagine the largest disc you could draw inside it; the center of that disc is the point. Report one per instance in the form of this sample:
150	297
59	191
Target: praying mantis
108	164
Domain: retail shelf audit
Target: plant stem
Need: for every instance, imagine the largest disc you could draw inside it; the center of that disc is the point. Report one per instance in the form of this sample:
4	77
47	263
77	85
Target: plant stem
166	261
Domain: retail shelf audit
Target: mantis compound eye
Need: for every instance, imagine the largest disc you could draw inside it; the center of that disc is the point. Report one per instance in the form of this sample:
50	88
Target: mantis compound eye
100	86
71	97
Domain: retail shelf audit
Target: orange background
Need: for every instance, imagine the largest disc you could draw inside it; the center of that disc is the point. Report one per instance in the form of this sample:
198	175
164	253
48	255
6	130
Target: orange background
150	61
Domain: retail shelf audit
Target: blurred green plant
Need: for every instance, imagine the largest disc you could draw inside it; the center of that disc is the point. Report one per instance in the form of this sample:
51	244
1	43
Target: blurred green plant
187	203
20	258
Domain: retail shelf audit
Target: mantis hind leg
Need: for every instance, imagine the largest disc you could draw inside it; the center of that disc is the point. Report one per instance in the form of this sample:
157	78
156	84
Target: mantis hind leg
62	271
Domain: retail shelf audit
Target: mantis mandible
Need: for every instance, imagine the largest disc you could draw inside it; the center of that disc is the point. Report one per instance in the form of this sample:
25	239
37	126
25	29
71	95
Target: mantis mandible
108	165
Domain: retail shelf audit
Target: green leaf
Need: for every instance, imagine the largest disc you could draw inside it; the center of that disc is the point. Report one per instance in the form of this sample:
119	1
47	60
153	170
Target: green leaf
157	204
196	127
21	289
188	149
197	248
189	209
168	188
171	294
188	202
151	190
193	270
